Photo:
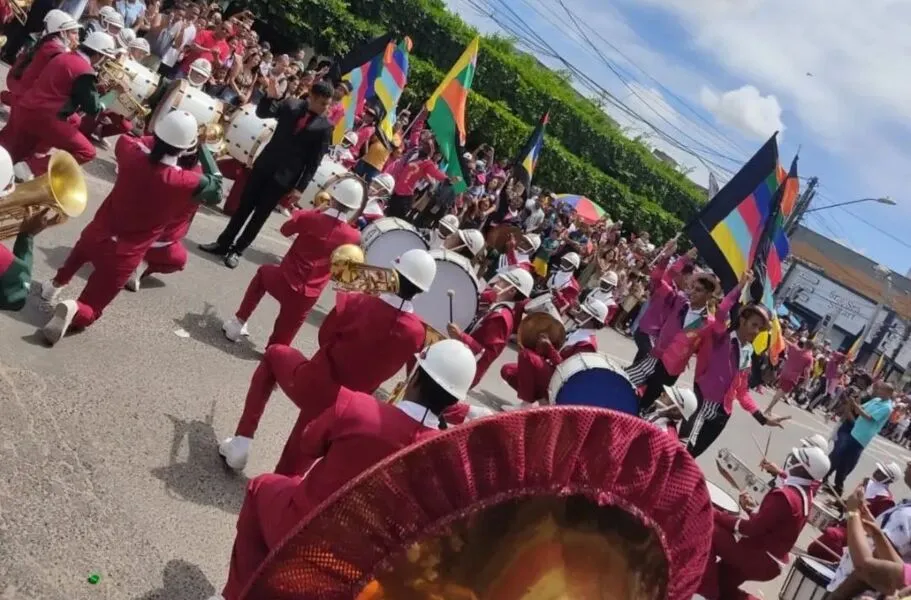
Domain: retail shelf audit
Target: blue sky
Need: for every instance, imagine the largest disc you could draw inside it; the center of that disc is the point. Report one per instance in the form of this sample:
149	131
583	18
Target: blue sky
720	76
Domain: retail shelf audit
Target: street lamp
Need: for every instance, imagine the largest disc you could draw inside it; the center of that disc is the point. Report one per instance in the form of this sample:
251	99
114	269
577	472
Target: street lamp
884	200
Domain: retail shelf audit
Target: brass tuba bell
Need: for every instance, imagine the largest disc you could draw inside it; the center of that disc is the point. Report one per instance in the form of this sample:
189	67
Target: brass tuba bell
61	189
350	274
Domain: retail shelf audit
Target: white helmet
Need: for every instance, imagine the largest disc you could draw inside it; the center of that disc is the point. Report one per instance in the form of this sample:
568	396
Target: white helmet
534	240
202	67
108	16
451	364
473	240
683	398
179	129
348	192
520	279
100	42
891	470
350	137
814	460
449	221
596	309
140	44
126	36
385	182
6	171
57	20
418	267
815	440
571	258
610	278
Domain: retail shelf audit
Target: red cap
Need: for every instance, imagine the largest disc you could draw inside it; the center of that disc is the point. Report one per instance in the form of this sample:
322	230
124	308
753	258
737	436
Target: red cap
435	491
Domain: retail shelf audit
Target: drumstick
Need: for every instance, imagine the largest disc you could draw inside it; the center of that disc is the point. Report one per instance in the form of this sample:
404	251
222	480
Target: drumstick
758	446
799	552
767	442
838	499
451	294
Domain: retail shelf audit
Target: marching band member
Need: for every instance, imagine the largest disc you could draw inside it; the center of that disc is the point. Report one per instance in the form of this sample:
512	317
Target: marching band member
150	191
446	226
48	113
466	242
519	253
304	271
752	549
124	39
489	336
378	194
61	34
563	284
109	21
605	293
722	374
674	406
139	49
781	474
679	338
16	265
878	498
197	76
341	153
354	433
531	373
363	342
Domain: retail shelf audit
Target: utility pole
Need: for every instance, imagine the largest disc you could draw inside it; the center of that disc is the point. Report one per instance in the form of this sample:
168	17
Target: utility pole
887	291
801	206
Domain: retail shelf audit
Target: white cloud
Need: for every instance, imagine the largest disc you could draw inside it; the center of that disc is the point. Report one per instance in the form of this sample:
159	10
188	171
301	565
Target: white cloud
745	109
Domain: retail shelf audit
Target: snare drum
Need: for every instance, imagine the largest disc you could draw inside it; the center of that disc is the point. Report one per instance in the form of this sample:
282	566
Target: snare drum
454	273
822	517
141	85
388	238
591	379
722	500
543	303
745	479
183	96
326	171
247	135
807	580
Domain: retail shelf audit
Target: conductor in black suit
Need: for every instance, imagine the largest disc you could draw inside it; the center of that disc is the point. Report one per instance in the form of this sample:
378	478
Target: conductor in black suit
289	161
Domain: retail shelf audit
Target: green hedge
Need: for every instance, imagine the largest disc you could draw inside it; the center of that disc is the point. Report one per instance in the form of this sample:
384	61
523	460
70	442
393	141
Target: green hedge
330	27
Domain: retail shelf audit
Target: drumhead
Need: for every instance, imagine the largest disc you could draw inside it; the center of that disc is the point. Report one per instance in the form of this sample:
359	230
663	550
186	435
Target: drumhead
722	499
326	171
247	135
168	102
453	273
388	238
590	379
817	572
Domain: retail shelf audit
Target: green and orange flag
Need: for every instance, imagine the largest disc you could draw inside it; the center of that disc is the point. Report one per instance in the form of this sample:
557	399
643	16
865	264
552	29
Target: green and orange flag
446	112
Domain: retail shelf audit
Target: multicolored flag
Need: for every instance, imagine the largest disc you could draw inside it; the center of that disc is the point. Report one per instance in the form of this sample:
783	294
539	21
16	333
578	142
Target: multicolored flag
527	158
391	81
361	78
446	113
742	228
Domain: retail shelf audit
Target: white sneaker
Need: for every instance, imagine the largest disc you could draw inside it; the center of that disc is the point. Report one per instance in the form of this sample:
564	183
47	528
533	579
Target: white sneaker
236	451
49	292
284	212
235	330
60	322
22	172
135	279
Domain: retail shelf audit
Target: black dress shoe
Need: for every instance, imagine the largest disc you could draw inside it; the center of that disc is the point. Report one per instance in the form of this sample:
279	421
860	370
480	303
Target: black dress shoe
232	259
213	248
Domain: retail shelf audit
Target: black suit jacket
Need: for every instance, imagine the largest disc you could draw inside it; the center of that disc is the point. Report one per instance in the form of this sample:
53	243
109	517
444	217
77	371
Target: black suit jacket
292	157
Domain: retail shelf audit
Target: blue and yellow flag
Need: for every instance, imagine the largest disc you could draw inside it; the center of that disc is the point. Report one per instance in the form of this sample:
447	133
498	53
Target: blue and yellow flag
527	158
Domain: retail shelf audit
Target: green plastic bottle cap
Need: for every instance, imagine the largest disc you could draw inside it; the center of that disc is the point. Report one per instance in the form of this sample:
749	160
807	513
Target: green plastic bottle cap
94	578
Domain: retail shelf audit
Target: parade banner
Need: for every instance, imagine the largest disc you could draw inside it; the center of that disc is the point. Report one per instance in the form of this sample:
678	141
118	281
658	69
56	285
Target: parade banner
360	68
446	113
391	82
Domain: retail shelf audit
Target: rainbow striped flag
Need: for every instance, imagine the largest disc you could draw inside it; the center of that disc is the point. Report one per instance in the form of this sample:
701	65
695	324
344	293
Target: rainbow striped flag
742	228
527	158
446	112
389	85
362	82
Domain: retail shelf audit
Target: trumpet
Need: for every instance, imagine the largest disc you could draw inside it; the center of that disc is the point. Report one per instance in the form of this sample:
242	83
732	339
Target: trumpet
350	274
112	75
62	189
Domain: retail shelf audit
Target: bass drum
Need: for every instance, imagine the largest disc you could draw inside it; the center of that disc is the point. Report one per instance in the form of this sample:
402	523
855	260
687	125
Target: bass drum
388	238
591	379
454	273
247	135
142	84
183	96
326	171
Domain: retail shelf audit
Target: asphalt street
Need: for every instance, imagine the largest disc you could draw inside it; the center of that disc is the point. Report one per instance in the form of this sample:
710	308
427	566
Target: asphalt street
108	453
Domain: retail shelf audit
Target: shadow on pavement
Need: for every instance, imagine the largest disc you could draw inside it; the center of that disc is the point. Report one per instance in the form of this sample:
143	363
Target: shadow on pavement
102	168
203	478
56	256
492	401
206	326
181	581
